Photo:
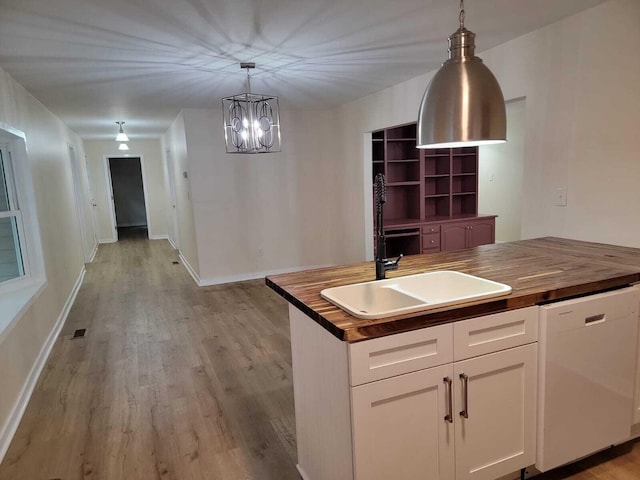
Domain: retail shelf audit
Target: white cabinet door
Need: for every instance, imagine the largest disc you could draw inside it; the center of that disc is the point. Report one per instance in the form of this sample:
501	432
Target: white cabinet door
498	436
399	427
636	400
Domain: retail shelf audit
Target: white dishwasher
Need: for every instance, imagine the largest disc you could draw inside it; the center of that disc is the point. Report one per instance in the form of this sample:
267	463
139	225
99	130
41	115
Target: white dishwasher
587	362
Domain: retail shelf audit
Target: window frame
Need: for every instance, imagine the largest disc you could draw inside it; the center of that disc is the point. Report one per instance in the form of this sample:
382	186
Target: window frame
14	212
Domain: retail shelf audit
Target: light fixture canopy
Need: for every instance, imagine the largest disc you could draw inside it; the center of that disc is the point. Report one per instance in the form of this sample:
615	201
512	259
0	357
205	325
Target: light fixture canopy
251	121
121	136
463	105
123	147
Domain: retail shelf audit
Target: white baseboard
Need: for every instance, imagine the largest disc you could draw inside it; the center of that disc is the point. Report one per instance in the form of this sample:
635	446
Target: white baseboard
158	237
175	247
205	282
12	423
93	253
107	240
190	269
302	472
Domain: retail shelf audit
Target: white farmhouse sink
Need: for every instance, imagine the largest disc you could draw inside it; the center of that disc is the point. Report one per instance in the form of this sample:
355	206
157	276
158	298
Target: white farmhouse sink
424	291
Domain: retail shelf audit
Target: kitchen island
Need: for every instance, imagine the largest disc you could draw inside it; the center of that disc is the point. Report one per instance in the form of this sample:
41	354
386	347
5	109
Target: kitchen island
375	398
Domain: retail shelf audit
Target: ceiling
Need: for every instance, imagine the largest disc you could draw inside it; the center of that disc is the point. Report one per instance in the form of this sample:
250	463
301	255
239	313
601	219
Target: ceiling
93	62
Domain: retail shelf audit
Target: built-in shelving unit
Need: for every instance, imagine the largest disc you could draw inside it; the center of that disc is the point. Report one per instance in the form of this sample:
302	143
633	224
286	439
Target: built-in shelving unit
428	192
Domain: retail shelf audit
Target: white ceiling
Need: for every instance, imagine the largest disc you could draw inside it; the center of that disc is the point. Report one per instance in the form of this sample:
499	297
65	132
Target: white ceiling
93	62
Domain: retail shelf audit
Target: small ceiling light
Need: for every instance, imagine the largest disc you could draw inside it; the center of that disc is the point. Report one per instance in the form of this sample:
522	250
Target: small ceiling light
123	146
463	105
121	137
251	121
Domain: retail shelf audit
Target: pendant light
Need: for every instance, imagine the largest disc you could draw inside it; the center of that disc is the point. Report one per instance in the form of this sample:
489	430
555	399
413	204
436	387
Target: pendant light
463	105
121	137
123	147
251	120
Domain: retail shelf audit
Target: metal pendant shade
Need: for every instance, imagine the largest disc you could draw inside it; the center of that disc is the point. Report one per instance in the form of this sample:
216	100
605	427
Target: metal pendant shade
463	105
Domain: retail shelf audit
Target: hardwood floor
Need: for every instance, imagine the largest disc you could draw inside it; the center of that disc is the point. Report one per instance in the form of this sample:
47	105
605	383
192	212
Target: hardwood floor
177	382
172	381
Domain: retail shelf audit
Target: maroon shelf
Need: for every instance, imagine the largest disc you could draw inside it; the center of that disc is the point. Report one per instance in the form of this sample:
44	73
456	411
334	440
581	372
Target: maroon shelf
427	189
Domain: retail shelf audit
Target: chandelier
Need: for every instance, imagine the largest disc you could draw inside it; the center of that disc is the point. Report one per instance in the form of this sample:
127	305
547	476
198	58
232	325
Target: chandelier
251	120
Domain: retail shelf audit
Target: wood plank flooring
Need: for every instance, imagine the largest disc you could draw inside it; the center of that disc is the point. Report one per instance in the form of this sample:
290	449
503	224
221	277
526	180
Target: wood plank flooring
171	381
177	382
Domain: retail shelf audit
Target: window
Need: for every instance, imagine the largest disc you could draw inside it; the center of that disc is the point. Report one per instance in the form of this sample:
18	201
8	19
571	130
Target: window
22	273
12	264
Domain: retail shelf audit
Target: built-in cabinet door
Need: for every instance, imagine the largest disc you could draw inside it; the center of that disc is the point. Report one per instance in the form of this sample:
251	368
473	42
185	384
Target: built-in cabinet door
453	237
480	233
399	427
497	393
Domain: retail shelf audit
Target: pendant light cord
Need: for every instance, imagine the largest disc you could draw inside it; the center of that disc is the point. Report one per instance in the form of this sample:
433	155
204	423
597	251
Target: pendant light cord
248	81
462	13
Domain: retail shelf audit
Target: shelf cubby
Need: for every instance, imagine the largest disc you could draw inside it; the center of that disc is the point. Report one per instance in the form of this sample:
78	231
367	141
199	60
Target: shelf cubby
465	151
403	172
406	244
377	136
437	207
402	150
403	201
461	164
464	183
408	131
437	166
464	205
437	185
377	151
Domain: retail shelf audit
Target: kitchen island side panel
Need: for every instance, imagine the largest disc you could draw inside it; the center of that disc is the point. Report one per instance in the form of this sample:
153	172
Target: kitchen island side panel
322	400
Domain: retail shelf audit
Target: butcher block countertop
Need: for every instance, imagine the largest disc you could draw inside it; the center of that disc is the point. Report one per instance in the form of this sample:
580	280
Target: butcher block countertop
537	270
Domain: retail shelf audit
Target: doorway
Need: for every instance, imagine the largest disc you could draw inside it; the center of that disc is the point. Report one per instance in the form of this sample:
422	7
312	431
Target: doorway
501	173
173	213
128	192
87	232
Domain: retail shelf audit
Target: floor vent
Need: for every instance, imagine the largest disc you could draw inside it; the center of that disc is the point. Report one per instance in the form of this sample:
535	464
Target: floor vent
79	333
175	263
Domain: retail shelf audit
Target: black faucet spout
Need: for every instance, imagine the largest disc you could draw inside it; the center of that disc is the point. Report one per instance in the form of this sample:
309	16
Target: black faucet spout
382	263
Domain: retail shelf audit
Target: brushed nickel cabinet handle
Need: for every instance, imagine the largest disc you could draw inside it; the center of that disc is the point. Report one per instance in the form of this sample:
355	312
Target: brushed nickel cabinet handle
449	416
465	395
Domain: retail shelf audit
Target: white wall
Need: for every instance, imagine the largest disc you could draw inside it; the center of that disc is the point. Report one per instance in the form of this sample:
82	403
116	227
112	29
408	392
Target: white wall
256	214
47	140
500	177
153	164
175	141
581	81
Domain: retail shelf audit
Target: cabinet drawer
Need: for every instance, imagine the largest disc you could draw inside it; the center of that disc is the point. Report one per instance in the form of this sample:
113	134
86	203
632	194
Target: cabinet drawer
430	241
431	229
401	353
492	333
